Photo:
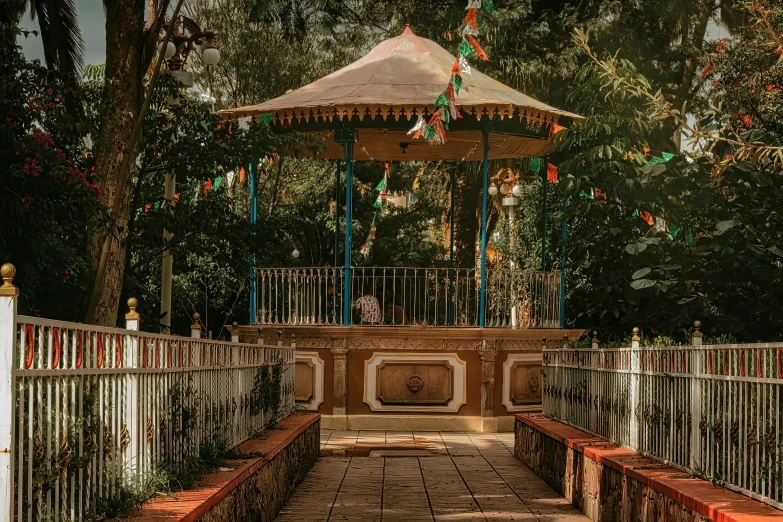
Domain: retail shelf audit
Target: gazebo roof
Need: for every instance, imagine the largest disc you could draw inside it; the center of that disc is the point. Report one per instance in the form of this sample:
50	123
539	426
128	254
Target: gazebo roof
382	94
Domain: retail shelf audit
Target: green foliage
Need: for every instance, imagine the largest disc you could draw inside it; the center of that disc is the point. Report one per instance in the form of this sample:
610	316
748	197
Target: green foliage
48	194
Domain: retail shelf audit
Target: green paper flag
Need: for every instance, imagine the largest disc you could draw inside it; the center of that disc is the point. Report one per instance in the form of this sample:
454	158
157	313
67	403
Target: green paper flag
265	118
382	184
457	83
442	100
585	195
689	238
534	165
667	156
635	213
156	206
465	49
218	181
378	202
656	160
489	6
673	230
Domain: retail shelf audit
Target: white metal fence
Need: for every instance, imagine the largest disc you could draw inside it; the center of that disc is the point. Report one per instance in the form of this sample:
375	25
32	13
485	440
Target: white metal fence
87	409
409	297
714	411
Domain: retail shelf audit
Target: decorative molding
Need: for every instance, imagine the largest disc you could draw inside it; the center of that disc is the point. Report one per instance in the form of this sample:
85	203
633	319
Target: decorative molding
515	365
316	366
445	393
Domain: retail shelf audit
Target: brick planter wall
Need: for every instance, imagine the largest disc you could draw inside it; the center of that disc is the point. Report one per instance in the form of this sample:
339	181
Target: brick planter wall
612	484
261	496
253	488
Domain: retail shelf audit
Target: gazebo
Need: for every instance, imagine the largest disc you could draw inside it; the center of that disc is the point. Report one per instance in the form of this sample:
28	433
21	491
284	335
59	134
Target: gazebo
377	99
365	111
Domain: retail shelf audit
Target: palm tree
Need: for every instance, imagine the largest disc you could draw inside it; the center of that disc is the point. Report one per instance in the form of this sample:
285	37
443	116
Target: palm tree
59	28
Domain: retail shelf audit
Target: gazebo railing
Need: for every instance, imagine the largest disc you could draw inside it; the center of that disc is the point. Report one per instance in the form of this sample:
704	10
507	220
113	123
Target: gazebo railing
432	297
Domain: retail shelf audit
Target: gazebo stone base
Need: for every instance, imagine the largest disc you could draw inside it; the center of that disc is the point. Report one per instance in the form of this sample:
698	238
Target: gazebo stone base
430	379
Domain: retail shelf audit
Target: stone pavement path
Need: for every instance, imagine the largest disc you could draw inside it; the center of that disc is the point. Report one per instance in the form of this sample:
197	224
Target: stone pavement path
423	476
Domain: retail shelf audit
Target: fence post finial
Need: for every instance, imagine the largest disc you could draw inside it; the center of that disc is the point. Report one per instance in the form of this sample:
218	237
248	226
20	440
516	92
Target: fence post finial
565	342
132	318
635	338
8	271
543	343
595	339
195	328
697	334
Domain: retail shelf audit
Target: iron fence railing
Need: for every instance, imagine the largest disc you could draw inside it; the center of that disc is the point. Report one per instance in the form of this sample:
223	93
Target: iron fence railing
93	407
714	411
436	297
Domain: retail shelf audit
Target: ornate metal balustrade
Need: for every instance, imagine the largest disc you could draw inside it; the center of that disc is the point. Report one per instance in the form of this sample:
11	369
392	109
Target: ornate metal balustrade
713	411
436	297
94	409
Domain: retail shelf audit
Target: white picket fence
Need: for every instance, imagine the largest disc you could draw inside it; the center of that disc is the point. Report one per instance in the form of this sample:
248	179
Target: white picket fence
84	410
713	411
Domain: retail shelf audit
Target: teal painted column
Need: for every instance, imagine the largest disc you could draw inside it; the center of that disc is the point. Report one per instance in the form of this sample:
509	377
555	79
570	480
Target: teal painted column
485	176
545	181
348	159
563	265
252	170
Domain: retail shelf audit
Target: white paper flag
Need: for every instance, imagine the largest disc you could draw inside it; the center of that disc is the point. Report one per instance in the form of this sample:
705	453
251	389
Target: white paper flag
230	178
473	4
416	127
660	225
464	66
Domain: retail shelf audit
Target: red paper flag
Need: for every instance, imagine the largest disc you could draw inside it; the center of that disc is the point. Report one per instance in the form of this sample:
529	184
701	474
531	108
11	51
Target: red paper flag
551	173
479	51
455	68
450	94
242	175
554	129
470	18
147	207
647	217
207	186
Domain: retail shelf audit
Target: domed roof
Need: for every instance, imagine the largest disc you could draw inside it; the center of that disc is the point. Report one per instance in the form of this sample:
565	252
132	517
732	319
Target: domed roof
398	80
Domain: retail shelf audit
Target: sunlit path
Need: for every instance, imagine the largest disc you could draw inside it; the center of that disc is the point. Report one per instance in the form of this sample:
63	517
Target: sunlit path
413	476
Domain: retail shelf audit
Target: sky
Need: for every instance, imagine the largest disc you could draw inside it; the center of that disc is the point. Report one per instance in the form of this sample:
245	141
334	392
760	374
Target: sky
93	24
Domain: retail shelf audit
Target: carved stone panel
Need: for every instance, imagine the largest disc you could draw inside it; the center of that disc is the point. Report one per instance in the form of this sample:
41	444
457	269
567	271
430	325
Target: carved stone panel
415	382
305	380
309	391
522	382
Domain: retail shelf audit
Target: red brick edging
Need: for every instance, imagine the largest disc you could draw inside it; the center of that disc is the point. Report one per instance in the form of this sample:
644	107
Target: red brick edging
715	502
188	506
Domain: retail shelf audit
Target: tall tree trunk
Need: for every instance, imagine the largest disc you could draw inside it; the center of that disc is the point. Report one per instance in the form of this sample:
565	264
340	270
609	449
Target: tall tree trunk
121	102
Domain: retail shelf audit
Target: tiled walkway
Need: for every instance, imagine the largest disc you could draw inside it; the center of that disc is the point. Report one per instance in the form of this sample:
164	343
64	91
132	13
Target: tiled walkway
413	476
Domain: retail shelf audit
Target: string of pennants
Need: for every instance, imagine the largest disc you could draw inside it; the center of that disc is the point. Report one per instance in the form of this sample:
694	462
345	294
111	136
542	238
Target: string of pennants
378	205
659	223
210	185
534	165
434	130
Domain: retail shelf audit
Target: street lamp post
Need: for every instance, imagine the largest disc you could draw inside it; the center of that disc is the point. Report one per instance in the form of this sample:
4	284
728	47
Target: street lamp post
185	35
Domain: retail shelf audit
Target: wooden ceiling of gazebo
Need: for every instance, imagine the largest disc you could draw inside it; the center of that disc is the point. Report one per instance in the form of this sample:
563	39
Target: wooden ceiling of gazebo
382	94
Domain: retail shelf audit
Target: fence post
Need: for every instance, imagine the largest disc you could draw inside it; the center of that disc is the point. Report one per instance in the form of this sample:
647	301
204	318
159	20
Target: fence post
132	322
195	328
696	398
595	340
8	301
235	332
634	389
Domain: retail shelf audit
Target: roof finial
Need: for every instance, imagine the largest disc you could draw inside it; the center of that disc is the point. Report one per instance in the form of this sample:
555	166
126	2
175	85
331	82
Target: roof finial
407	30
